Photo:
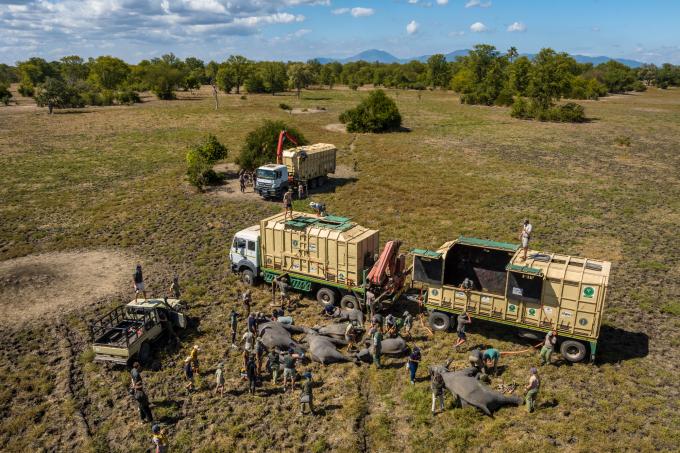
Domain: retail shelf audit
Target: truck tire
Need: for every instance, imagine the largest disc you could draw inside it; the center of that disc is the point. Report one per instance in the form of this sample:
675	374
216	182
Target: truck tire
144	354
349	302
312	183
439	321
248	277
573	351
326	296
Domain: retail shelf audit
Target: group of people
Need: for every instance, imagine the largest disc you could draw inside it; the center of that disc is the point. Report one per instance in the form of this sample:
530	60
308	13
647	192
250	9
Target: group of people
246	178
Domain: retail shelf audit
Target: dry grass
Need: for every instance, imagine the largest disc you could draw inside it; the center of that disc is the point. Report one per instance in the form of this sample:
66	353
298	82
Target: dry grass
112	178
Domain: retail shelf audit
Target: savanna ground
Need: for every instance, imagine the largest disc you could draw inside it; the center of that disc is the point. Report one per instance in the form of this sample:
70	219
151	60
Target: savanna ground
110	182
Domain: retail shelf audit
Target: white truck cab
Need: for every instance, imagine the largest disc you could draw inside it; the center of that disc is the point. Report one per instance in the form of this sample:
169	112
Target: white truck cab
245	253
272	180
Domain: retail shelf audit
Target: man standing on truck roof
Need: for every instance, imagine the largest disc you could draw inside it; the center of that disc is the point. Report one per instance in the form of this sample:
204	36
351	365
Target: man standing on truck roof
548	346
463	320
288	204
525	236
532	390
233	322
138	281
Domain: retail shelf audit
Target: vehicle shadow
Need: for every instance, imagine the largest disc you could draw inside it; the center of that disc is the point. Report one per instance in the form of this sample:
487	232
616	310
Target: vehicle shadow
618	345
332	183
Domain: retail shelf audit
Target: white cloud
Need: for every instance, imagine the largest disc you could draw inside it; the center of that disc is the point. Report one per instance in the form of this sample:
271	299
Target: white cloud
412	27
362	12
453	34
517	27
278	18
478	27
477	4
442	2
413	2
357	11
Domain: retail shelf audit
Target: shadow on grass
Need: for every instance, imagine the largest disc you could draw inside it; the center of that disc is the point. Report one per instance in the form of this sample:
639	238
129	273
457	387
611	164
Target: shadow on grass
618	344
330	186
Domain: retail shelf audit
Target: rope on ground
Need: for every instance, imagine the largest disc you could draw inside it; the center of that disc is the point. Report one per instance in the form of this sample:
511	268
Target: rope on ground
420	316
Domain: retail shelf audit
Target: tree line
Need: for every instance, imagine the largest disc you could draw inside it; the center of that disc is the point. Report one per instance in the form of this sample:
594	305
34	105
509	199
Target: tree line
485	76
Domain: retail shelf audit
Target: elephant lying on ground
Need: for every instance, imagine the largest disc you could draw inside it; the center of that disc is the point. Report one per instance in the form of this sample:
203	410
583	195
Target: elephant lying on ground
277	335
391	346
465	385
324	350
352	315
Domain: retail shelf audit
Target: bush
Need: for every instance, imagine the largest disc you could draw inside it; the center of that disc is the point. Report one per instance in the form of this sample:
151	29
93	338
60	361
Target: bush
376	113
26	90
639	86
200	160
260	144
106	97
5	94
505	97
567	113
283	106
127	97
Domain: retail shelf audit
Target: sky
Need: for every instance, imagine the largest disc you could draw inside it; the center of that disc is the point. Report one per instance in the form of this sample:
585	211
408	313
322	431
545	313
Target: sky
133	30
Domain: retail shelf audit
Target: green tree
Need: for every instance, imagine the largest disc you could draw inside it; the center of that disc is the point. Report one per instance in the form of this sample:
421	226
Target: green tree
225	78
512	54
54	93
520	72
108	72
550	78
299	77
482	76
438	71
5	94
240	67
617	77
33	72
73	68
200	160
260	144
376	113
327	76
274	76
163	76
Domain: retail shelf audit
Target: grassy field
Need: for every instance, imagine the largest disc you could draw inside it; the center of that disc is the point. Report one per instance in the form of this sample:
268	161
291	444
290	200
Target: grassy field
112	180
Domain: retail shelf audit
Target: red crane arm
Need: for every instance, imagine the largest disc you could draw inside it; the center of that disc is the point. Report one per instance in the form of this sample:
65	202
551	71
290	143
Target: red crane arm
279	148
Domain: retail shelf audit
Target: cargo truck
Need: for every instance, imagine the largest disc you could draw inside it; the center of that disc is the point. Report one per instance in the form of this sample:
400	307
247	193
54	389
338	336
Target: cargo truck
329	257
547	291
306	165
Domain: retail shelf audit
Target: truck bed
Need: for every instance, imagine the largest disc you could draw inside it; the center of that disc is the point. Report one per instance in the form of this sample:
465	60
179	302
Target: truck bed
124	334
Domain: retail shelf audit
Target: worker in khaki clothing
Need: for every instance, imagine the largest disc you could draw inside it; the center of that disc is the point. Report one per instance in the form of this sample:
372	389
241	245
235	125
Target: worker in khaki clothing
548	346
532	390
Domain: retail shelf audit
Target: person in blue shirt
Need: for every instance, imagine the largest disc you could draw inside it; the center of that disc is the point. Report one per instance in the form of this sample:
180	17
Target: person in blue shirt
490	360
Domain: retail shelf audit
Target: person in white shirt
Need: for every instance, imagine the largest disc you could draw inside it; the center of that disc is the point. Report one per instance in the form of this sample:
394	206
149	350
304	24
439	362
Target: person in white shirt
525	236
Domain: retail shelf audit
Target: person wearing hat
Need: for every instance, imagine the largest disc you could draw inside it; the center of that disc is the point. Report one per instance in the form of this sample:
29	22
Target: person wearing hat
194	358
288	203
548	346
289	369
532	390
138	281
188	374
525	236
306	396
159	439
412	364
219	380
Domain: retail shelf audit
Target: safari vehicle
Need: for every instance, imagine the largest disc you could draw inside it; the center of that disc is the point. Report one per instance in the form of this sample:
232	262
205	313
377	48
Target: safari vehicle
128	331
330	257
546	291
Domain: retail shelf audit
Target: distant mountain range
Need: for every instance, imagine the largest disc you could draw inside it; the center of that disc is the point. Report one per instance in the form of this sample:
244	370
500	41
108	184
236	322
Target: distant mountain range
380	56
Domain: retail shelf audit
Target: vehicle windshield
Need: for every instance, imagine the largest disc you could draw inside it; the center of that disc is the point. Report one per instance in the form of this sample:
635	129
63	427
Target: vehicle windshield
265	174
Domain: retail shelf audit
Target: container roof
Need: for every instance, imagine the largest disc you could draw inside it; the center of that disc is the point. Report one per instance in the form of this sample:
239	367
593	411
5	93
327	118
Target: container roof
558	266
488	244
329	222
309	149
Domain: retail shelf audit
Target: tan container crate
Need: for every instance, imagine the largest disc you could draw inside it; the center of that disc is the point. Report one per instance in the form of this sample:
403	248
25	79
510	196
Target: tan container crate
309	162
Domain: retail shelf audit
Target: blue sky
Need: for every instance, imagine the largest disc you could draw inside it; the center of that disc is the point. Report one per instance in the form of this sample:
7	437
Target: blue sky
301	29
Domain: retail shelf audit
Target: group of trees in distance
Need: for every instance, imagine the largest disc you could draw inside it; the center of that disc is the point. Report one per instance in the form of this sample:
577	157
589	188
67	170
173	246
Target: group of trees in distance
485	76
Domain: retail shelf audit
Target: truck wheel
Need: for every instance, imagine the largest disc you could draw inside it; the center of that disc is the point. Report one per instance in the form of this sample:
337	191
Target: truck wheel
144	353
349	302
573	351
248	277
439	321
325	296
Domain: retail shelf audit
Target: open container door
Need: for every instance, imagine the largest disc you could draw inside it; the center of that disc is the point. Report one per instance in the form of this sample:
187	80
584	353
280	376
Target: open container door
428	272
523	292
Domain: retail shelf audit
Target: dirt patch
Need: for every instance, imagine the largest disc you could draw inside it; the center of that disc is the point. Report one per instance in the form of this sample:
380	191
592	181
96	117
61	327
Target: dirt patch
303	111
649	109
232	188
347	172
335	127
42	285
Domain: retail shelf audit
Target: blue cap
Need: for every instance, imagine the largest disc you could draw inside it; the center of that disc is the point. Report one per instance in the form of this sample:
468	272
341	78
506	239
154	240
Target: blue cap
533	370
